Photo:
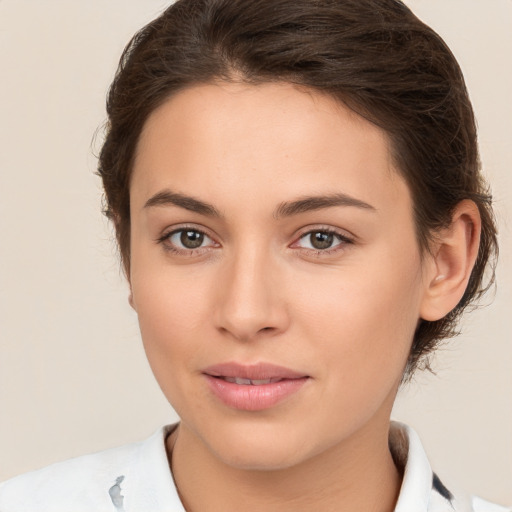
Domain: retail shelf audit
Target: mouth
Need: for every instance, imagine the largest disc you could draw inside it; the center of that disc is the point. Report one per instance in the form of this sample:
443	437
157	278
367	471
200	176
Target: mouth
253	387
252	374
248	382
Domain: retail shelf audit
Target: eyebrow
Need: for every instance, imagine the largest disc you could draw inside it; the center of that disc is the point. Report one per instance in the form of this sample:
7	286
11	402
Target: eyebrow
167	198
311	203
286	209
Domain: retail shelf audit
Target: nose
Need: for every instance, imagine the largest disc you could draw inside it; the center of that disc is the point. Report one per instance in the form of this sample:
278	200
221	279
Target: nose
250	302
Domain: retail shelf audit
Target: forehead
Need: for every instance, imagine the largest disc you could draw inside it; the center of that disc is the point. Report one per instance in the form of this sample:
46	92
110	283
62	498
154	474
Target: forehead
295	140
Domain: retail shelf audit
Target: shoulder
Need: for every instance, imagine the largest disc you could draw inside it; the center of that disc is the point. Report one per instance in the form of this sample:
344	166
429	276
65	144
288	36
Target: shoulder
459	500
91	482
81	483
422	490
480	505
462	502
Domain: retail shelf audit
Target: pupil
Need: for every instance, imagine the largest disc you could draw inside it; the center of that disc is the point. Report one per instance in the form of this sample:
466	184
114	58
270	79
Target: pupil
191	239
321	240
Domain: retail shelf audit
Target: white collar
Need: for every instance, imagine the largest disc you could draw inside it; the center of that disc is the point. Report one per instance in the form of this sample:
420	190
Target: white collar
136	477
421	491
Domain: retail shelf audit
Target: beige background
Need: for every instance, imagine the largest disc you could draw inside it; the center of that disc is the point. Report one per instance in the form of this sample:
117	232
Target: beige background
73	377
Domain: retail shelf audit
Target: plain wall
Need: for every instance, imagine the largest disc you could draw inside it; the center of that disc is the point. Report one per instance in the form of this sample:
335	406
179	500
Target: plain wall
73	375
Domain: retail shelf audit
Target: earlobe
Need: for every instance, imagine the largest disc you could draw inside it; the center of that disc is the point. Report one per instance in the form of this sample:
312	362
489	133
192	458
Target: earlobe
129	281
453	258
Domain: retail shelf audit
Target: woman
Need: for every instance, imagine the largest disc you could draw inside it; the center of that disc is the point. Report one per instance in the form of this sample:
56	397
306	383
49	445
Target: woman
296	194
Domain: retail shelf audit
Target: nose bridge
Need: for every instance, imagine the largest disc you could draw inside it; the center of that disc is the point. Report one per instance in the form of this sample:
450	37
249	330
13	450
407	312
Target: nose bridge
249	301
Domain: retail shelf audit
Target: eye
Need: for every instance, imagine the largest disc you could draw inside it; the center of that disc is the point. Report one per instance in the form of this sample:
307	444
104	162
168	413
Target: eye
322	240
186	240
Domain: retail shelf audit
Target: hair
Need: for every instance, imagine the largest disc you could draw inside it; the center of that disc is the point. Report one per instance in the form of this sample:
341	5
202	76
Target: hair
375	56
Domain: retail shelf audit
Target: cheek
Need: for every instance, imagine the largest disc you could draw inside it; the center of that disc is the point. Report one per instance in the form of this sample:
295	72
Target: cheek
363	319
360	342
172	329
171	309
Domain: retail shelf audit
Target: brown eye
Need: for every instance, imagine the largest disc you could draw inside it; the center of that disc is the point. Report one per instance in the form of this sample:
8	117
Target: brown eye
191	239
187	239
321	240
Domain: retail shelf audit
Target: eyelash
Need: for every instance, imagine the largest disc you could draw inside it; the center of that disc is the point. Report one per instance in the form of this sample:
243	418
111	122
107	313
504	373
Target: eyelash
165	241
343	241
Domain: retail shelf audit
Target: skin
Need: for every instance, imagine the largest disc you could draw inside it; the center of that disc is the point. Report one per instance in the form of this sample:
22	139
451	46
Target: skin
257	291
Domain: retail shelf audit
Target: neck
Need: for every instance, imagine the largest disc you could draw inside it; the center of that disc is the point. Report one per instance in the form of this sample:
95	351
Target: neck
358	474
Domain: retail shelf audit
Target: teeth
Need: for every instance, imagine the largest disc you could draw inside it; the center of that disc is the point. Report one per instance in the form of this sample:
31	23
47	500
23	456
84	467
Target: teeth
249	382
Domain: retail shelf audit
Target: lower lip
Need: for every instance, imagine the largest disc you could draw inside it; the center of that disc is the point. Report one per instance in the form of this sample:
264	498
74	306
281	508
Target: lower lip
254	398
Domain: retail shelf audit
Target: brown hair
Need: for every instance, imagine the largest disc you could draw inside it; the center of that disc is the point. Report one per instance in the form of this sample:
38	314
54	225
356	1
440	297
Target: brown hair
373	55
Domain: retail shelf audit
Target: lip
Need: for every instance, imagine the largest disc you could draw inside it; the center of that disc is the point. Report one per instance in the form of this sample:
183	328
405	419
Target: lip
284	382
258	371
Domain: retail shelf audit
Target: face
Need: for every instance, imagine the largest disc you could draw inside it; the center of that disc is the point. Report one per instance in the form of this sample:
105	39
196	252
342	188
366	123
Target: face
274	270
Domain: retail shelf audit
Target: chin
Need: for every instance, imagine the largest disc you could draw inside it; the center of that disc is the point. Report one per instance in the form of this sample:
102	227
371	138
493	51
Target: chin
257	446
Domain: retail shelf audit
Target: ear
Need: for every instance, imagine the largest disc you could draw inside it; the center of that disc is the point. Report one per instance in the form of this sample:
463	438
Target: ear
130	300
452	260
127	274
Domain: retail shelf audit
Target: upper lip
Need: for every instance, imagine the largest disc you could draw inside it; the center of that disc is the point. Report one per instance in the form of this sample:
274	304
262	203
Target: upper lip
259	371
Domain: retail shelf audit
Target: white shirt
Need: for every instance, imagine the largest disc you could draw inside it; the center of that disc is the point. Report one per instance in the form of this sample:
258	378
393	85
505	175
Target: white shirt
136	478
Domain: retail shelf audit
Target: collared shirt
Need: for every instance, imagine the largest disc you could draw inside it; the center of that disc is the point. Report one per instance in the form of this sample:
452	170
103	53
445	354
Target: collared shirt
136	478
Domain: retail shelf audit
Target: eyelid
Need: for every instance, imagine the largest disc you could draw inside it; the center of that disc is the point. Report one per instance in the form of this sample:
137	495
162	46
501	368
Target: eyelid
164	239
344	237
